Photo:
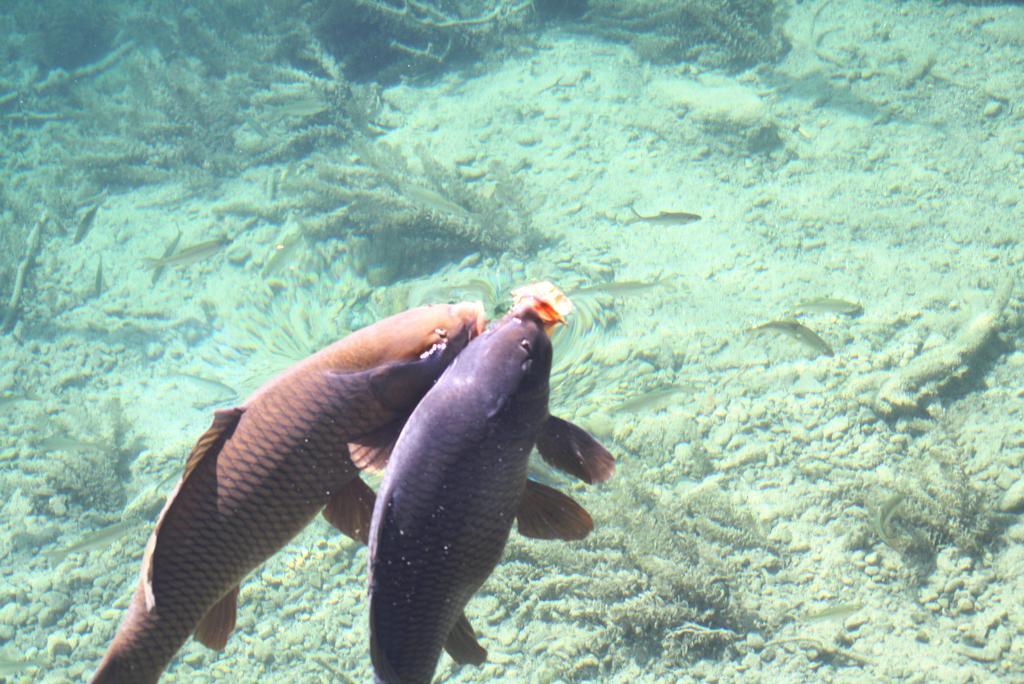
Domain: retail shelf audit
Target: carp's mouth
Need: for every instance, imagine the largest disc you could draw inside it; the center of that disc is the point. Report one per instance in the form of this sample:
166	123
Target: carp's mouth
479	314
472	316
472	320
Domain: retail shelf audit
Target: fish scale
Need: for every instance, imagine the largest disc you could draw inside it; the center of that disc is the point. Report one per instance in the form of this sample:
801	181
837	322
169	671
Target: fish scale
284	459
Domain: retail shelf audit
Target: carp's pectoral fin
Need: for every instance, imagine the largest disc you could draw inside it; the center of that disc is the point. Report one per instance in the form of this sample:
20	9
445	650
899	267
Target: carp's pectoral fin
208	445
371	452
570	448
401	385
546	513
350	510
216	626
390	390
462	645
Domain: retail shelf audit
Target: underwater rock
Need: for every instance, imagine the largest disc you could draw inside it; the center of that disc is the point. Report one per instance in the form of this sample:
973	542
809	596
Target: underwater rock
909	389
715	100
1013	498
58	644
721	105
1006	29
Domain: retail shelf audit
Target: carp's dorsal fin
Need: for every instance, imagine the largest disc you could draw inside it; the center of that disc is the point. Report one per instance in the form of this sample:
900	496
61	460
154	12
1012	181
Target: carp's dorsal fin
371	452
546	513
350	510
462	645
209	444
212	441
570	448
218	623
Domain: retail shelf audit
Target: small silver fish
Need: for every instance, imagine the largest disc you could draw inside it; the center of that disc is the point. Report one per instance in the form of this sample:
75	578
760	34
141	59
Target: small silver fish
829	305
431	199
221	393
618	288
85	225
654	400
799	332
284	253
94	540
97	286
66	443
11	666
828	613
10	400
190	254
664	218
302	106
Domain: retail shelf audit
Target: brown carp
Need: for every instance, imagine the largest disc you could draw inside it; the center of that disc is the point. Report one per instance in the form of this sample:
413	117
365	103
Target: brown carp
456	481
263	470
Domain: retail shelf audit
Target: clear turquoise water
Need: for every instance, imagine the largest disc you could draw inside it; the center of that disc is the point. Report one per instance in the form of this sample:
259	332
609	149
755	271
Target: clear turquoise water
778	514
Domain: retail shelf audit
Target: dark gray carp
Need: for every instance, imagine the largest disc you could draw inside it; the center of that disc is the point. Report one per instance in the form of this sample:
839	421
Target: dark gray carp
263	470
456	482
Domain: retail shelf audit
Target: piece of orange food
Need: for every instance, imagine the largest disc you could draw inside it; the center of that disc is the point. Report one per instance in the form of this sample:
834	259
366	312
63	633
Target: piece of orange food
546	299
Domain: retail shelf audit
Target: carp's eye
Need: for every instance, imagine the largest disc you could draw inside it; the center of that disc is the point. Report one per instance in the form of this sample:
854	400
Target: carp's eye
441	332
525	344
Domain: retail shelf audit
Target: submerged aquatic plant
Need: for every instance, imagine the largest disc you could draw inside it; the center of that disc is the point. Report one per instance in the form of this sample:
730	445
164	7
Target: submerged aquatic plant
383	40
92	470
300	311
398	223
421	221
718	32
934	508
663	581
